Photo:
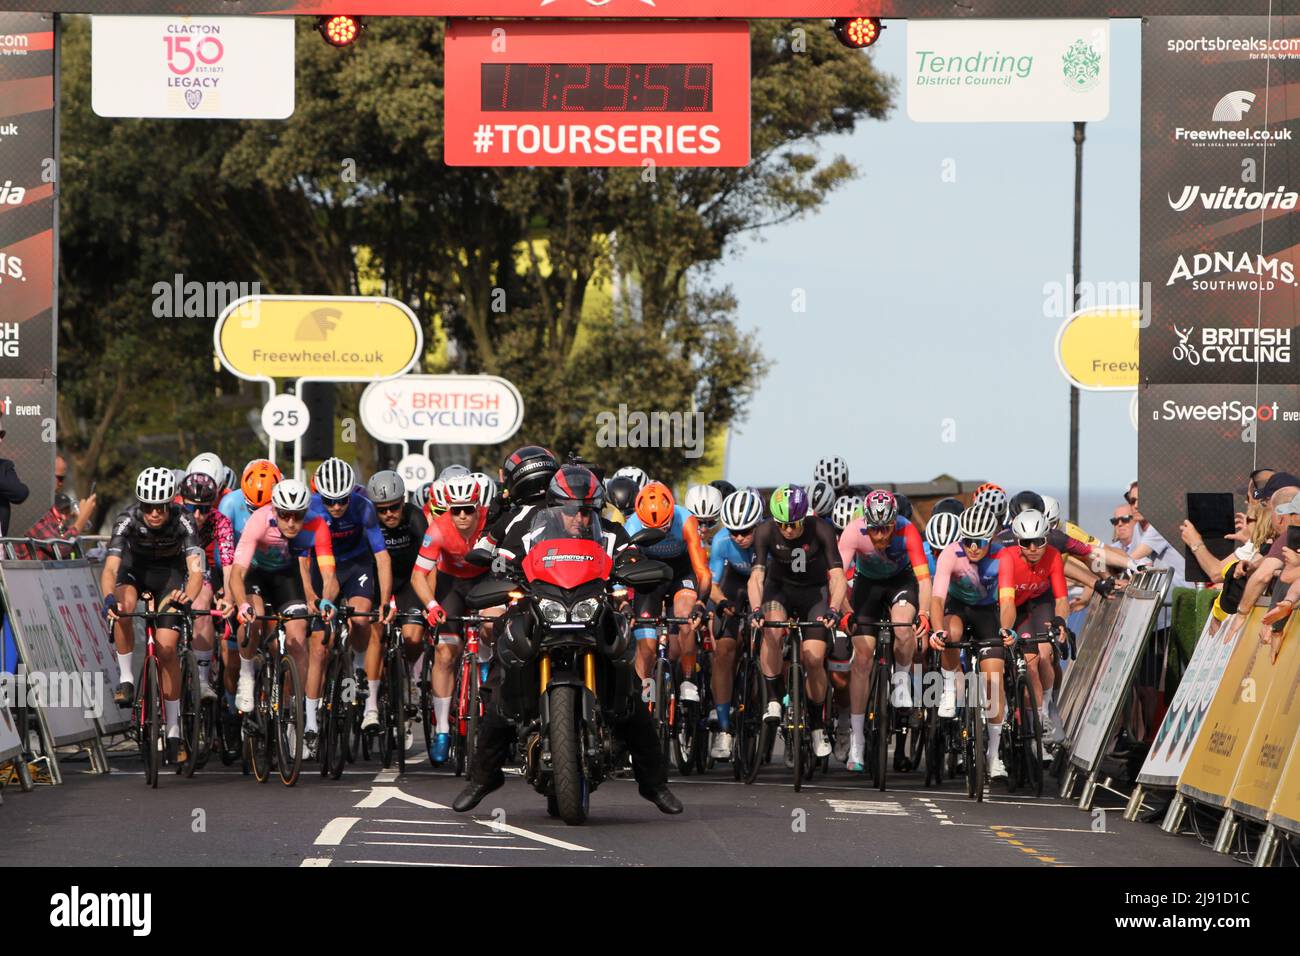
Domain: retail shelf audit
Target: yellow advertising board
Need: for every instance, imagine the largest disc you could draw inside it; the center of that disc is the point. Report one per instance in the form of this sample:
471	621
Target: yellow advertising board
329	338
1285	811
1221	745
1275	731
1097	349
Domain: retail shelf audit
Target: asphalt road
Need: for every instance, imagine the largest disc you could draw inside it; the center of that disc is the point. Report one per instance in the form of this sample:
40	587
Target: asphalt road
373	817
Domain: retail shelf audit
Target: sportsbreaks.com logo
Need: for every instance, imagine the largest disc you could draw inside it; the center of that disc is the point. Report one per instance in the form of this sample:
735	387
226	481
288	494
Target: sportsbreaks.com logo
1239	413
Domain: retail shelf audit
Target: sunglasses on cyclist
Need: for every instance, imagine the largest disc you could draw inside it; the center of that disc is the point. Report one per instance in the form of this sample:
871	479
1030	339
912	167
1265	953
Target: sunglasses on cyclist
1125	519
153	509
744	534
1032	542
332	502
387	509
975	542
463	509
791	525
194	509
880	528
290	515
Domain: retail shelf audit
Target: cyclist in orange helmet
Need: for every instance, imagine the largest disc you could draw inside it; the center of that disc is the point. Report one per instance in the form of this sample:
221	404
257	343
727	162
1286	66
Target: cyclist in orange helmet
683	551
259	480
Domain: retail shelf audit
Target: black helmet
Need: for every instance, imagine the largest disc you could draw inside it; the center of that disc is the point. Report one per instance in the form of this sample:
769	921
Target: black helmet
199	488
1025	501
724	486
951	506
904	505
575	485
621	492
527	472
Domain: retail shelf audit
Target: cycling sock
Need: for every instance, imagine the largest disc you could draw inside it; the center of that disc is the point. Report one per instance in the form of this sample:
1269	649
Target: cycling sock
441	708
857	727
173	711
372	701
949	677
995	735
644	633
247	668
126	665
724	717
313	704
230	701
816	716
774	689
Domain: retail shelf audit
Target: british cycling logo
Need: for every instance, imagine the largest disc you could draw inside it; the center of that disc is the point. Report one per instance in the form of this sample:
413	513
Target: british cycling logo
393	413
1233	197
1225	346
1267	271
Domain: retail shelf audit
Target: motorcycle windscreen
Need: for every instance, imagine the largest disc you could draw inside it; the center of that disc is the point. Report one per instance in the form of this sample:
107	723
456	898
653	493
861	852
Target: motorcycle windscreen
566	548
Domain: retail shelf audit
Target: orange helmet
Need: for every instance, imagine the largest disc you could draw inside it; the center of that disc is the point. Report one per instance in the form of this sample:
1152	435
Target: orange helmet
654	505
989	486
260	477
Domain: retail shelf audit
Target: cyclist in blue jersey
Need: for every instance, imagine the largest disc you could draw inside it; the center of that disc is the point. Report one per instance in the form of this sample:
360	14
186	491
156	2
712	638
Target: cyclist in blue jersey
730	560
360	555
683	551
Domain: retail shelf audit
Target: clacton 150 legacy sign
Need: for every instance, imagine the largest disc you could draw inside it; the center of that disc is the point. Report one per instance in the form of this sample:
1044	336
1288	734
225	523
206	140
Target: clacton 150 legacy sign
444	409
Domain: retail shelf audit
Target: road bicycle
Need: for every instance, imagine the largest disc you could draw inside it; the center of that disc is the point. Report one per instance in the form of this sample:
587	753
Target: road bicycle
273	731
795	724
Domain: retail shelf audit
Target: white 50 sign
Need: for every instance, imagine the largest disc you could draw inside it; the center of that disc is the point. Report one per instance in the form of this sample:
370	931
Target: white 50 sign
444	409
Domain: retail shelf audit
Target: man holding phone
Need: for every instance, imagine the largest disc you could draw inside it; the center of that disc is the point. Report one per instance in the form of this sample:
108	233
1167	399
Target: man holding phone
1285	507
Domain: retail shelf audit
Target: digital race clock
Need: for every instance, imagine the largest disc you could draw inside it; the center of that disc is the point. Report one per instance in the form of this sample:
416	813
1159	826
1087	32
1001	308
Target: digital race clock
529	93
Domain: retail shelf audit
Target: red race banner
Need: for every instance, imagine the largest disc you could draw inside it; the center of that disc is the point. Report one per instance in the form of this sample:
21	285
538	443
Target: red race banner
597	94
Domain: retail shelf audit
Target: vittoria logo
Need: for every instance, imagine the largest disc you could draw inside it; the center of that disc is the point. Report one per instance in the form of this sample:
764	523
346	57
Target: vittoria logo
1233	197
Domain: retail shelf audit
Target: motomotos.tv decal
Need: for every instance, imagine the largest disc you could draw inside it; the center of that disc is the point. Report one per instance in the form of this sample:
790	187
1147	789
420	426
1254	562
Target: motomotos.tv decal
27	257
1220	185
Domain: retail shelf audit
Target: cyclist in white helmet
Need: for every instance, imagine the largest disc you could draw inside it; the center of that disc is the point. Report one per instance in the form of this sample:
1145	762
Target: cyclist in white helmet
821	499
847	507
705	502
731	558
154	548
635	473
360	556
834	471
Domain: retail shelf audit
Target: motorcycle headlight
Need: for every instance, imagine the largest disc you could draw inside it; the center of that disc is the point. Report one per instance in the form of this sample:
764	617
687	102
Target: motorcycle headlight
553	612
585	610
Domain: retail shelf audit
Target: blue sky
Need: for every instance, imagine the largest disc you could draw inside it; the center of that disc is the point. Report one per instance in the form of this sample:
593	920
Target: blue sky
925	300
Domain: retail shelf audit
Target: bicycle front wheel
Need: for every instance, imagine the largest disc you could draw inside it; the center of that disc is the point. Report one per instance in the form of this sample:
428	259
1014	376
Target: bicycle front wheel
1029	772
794	724
154	739
191	715
289	721
878	718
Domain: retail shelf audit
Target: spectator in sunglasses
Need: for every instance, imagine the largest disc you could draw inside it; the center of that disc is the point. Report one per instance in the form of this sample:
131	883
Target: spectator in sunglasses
1123	522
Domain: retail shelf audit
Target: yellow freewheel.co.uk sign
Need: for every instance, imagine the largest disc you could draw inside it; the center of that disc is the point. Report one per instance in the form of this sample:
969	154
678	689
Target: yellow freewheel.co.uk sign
1097	349
332	338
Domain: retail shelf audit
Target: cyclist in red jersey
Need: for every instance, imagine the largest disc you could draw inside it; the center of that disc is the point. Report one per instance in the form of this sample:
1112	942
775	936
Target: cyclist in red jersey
442	578
1032	598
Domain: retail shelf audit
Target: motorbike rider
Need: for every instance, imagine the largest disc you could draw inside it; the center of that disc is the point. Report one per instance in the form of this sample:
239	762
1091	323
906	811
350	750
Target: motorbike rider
579	497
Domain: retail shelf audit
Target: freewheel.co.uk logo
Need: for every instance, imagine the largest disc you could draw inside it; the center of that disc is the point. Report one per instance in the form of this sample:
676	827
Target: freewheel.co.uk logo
1268	272
1231	108
1233	198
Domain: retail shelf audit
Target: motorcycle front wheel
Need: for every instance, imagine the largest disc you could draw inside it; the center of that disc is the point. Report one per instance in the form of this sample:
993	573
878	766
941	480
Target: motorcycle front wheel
572	794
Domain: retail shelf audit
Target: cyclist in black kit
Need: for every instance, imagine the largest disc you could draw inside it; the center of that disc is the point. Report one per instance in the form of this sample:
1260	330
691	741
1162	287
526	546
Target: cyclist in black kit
154	547
403	526
797	574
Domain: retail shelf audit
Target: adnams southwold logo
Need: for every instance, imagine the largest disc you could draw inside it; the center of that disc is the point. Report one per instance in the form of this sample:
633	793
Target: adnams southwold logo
1233	198
1220	346
1232	108
1266	272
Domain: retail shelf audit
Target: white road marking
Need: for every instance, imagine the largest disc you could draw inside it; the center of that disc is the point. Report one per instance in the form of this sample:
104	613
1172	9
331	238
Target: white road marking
386	776
453	846
529	834
442	836
879	808
429	823
413	863
335	831
378	796
315	861
1017	827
